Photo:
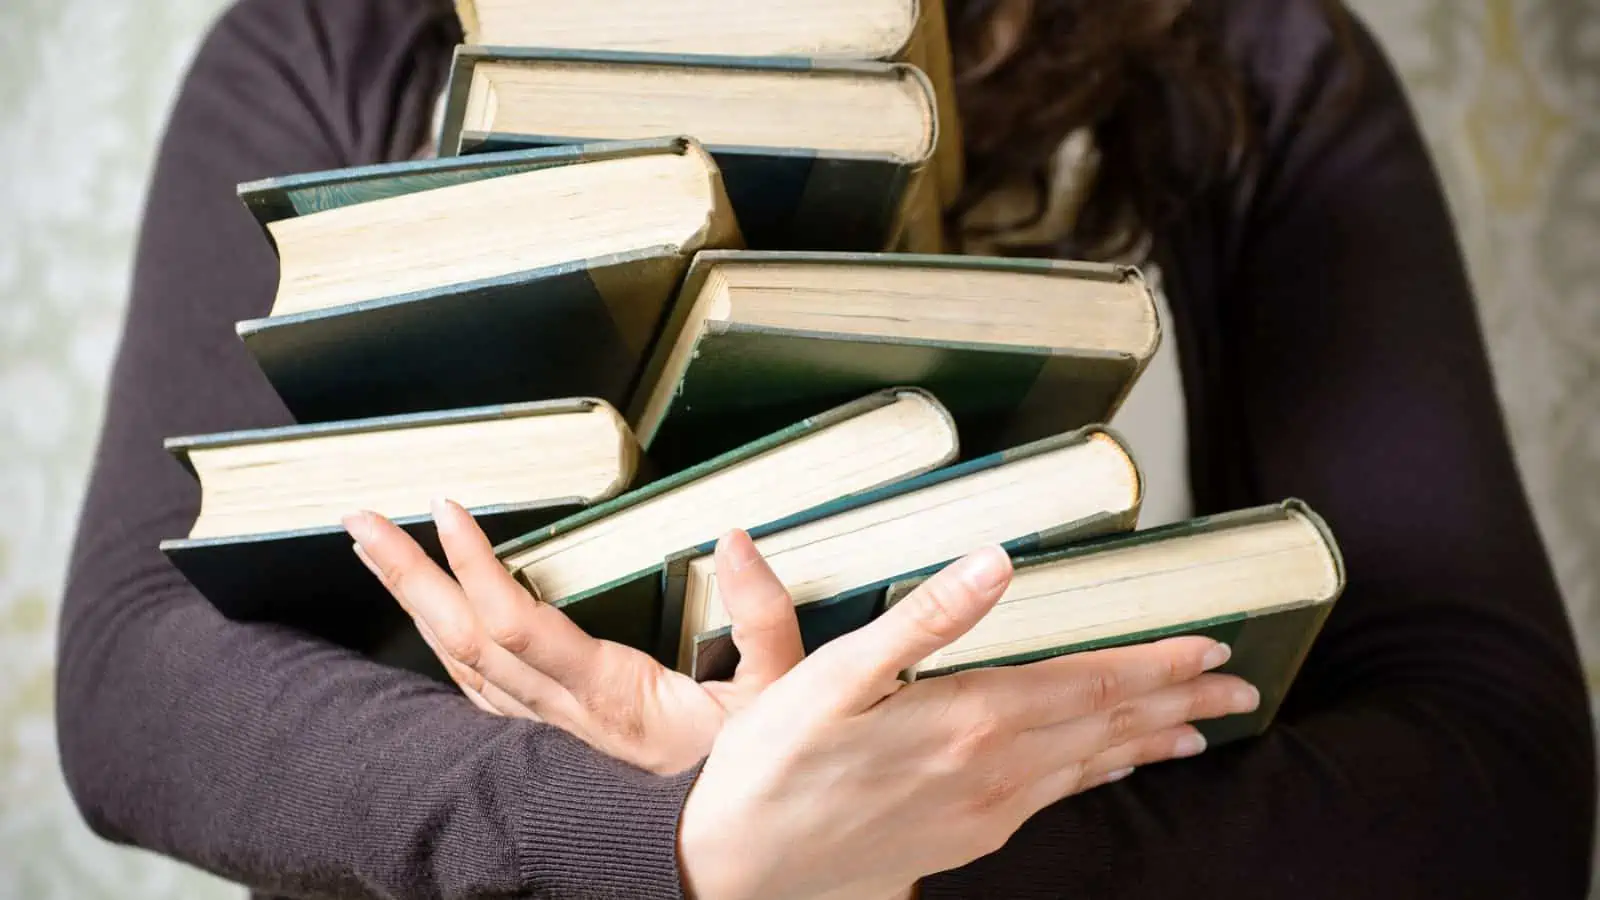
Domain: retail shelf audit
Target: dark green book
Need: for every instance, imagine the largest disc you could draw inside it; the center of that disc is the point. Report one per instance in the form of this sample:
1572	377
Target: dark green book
287	196
910	31
1262	580
837	559
1015	349
603	565
816	155
440	284
272	500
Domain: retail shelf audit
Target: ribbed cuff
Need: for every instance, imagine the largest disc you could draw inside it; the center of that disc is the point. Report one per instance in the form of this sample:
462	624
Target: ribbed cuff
595	827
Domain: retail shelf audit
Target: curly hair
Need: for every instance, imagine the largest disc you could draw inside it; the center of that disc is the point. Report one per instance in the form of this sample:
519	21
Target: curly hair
1029	73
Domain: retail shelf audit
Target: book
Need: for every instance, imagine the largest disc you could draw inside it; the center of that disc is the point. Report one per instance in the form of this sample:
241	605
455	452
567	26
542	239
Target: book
603	565
837	560
304	193
267	544
912	31
817	155
1262	580
1015	349
432	285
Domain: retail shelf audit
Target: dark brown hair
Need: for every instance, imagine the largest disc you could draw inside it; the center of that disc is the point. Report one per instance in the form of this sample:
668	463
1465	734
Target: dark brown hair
1031	72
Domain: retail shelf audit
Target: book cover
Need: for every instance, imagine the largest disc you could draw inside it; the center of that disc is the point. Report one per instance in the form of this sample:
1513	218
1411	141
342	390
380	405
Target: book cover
783	197
628	609
743	379
1268	645
316	582
823	620
310	579
581	328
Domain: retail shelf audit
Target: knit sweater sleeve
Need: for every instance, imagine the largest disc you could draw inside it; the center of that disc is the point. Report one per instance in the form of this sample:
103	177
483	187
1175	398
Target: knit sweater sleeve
254	751
1437	743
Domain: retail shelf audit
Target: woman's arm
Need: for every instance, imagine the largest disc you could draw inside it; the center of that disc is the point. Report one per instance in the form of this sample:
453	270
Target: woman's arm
253	751
1438	741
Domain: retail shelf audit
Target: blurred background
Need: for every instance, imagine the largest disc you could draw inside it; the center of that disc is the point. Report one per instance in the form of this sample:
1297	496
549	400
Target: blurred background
1508	92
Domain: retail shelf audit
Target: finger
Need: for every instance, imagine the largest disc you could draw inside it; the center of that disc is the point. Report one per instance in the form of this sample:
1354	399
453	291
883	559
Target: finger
436	601
765	628
1104	778
1060	754
537	633
1178	742
1067	688
472	685
863	667
1118	763
467	680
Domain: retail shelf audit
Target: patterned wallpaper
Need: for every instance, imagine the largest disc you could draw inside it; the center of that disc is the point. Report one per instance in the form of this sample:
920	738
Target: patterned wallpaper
1506	89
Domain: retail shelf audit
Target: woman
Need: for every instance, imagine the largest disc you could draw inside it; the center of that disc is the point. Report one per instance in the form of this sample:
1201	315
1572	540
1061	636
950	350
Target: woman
1262	155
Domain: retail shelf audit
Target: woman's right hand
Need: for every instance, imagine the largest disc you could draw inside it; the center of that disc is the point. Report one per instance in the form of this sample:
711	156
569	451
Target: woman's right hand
842	781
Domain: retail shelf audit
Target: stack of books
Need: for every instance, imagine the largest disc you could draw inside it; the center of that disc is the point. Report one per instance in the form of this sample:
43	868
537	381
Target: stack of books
650	292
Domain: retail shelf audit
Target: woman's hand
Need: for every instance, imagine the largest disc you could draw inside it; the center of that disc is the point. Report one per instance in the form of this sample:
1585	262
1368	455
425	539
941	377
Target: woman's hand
515	656
842	781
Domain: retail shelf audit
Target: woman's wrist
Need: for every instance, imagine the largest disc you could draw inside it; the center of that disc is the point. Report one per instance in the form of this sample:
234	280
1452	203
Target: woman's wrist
708	869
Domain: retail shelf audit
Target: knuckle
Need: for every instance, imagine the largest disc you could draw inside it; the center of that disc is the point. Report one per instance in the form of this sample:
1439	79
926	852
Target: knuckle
1122	723
464	645
1210	698
1176	668
509	634
995	790
1102	688
937	610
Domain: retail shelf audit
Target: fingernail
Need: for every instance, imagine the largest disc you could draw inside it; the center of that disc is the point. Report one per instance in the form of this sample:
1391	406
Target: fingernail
1191	744
737	550
1119	774
1245	698
359	526
443	516
982	570
1216	656
366	560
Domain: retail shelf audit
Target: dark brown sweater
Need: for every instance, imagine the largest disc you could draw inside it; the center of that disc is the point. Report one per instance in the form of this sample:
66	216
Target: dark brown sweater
1437	745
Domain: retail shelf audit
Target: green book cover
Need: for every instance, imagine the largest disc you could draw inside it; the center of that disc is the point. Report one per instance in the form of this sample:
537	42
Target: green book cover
284	197
581	327
628	608
785	197
741	379
823	620
317	584
1269	642
561	330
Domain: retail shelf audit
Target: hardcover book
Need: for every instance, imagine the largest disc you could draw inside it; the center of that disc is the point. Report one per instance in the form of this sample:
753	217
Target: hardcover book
603	565
267	544
443	284
838	559
912	31
815	155
1015	349
1262	580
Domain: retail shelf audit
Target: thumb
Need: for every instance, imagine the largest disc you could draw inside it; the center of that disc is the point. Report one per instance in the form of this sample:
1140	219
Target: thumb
862	667
765	629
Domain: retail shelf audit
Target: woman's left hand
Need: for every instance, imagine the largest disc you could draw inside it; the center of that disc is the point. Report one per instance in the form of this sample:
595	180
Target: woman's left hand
513	655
